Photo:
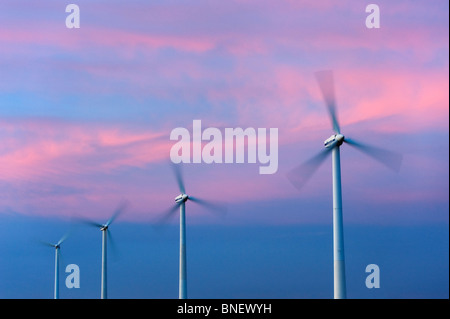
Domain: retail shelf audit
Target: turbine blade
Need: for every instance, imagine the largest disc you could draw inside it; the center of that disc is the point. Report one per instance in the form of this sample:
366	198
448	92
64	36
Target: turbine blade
299	175
120	209
388	158
112	244
63	238
179	176
47	244
326	85
164	217
212	206
89	222
61	257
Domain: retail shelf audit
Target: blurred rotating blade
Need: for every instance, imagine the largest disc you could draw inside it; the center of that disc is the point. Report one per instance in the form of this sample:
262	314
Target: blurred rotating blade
120	209
89	222
47	244
326	85
299	175
164	217
63	238
212	206
390	159
112	244
179	176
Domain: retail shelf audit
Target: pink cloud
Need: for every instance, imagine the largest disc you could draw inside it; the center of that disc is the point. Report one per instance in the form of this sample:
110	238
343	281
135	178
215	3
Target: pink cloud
225	27
288	97
52	35
41	148
61	168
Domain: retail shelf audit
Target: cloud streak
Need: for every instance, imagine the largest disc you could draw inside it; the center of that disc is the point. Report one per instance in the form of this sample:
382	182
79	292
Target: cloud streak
85	115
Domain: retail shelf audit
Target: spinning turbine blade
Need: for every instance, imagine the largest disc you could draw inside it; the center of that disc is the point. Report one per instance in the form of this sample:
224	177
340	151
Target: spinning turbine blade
299	175
167	214
122	207
63	238
326	84
47	244
179	177
61	256
388	158
89	222
112	243
214	207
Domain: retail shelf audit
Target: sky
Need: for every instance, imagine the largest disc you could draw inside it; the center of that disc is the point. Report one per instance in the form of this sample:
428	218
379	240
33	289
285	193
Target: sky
86	116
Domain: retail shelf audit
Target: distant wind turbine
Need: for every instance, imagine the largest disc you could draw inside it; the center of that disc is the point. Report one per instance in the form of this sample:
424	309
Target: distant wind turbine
57	247
180	201
106	234
300	174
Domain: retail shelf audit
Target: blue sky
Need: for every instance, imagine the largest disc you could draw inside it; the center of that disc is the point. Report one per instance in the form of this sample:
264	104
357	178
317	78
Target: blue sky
86	115
258	261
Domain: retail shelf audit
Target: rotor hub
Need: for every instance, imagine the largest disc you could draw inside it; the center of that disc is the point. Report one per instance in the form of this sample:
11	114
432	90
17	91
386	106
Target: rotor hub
181	198
334	140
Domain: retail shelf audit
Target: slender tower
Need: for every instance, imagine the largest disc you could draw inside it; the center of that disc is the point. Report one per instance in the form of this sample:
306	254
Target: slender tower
183	279
338	229
56	293
103	288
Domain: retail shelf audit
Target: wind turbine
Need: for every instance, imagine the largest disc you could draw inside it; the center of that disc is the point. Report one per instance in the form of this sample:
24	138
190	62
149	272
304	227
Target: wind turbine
300	174
57	247
106	234
180	202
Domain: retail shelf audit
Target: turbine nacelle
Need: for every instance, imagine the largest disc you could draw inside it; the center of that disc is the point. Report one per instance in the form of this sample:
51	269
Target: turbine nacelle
181	198
334	140
104	227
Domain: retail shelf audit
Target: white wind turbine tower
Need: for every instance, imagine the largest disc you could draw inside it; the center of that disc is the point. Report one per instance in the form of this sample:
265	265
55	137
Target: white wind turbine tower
299	175
106	234
57	247
180	201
